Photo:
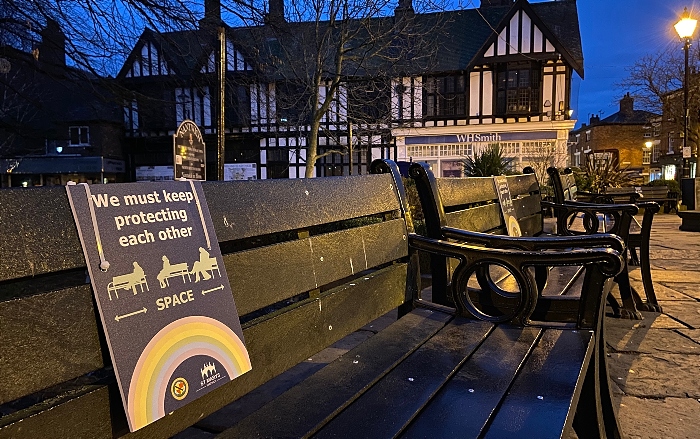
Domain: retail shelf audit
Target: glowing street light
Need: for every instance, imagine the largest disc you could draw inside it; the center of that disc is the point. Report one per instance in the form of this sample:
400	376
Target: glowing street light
685	28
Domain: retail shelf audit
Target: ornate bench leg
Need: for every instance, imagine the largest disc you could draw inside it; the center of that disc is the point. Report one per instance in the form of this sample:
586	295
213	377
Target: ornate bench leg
651	303
595	413
630	298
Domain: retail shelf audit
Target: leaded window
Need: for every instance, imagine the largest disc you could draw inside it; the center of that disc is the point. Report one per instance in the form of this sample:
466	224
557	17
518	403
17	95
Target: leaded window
518	88
445	96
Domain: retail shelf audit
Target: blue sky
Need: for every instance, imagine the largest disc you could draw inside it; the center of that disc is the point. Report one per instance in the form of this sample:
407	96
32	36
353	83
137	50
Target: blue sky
616	33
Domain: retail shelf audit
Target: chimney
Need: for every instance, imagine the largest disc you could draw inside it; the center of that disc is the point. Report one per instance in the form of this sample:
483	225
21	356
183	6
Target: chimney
627	105
212	14
276	12
404	9
594	119
52	49
491	3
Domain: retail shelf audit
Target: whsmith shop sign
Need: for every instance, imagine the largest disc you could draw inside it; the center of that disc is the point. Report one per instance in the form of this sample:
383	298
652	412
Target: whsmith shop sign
481	138
162	291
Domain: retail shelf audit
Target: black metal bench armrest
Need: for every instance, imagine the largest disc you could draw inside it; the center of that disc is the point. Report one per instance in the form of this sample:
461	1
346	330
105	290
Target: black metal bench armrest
601	264
622	215
536	243
650	206
631	209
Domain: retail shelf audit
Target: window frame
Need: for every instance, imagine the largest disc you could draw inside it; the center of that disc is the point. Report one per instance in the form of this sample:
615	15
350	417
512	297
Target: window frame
80	129
518	88
445	96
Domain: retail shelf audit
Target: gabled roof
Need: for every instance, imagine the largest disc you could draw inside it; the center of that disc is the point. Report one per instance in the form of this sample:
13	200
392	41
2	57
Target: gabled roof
636	117
458	42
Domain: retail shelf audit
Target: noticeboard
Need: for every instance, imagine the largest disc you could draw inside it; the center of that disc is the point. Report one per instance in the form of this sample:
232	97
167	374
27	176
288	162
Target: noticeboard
190	152
240	171
162	291
506	201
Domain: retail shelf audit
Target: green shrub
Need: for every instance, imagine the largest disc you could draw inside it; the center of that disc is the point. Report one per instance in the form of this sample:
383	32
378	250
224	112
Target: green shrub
606	174
488	162
673	185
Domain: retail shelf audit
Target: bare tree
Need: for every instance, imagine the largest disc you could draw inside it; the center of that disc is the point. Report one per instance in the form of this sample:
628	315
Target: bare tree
656	81
15	108
333	62
541	158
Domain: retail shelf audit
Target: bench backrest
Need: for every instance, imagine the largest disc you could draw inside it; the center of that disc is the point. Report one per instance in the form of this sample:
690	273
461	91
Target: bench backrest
472	203
563	184
309	261
654	191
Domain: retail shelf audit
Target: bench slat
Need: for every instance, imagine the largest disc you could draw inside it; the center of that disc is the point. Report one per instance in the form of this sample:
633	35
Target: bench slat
527	205
430	367
39	235
303	265
478	219
273	206
461	191
86	416
326	392
523	185
477	388
539	403
47	339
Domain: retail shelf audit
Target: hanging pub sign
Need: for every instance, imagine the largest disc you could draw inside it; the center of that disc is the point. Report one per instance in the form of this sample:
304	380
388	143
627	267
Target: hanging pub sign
162	291
190	152
506	201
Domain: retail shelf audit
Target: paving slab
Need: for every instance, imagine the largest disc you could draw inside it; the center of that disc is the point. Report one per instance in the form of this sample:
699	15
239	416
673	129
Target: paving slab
692	334
662	291
641	340
656	376
666	275
691	289
674	264
677	418
685	312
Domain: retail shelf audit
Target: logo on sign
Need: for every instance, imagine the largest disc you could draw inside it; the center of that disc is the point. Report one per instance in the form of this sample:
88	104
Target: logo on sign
179	388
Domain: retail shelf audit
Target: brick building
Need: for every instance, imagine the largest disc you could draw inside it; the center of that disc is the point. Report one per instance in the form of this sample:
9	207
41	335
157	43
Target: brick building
57	123
627	137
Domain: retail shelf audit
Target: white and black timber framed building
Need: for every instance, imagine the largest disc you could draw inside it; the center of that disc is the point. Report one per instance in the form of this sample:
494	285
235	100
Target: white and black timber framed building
501	73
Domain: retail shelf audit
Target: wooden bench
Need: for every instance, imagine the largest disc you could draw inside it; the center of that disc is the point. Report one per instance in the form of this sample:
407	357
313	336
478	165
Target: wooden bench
310	261
565	191
657	194
469	209
661	195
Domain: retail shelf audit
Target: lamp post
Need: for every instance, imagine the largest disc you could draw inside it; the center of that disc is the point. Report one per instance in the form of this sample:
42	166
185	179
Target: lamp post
685	28
646	159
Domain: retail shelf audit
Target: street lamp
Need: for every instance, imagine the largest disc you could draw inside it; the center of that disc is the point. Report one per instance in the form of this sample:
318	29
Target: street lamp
685	28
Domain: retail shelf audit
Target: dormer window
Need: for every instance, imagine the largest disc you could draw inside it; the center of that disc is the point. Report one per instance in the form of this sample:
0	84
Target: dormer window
518	88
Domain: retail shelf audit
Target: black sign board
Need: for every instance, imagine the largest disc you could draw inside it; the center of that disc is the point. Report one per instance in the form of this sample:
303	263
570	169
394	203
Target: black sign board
190	156
162	291
506	201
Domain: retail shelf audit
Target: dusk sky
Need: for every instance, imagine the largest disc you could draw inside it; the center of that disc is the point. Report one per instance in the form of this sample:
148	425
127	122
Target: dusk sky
615	34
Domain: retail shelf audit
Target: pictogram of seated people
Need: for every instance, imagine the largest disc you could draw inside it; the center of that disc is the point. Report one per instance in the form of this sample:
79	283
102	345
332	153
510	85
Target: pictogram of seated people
128	281
204	265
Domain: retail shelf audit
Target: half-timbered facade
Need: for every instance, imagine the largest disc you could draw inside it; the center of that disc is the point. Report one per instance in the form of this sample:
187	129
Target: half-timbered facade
513	90
501	73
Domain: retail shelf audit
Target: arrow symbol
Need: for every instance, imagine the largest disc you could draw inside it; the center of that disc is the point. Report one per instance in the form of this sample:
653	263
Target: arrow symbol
117	318
220	287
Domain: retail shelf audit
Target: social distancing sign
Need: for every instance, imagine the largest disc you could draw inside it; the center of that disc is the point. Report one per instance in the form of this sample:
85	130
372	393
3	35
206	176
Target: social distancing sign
163	294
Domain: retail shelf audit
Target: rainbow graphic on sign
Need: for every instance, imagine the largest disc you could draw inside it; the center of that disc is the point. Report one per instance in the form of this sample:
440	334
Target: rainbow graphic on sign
171	346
